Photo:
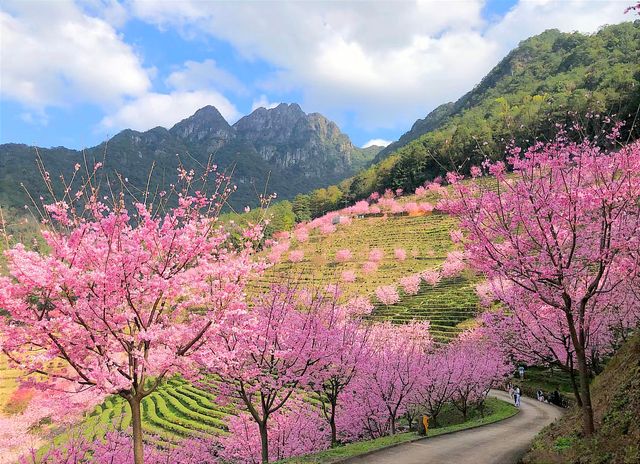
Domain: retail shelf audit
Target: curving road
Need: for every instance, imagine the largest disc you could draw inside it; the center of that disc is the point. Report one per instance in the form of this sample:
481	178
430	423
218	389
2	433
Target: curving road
504	442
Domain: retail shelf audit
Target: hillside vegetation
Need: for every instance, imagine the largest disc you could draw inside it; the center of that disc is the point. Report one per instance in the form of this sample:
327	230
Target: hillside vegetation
616	402
552	78
426	241
179	409
282	150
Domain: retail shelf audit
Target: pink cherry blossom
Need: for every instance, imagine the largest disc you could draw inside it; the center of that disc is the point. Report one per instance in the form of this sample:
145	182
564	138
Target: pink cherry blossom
296	256
376	255
348	276
400	254
387	294
342	256
411	284
369	267
559	245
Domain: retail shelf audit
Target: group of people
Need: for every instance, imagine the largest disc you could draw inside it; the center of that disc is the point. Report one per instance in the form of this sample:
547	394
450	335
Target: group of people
553	398
514	393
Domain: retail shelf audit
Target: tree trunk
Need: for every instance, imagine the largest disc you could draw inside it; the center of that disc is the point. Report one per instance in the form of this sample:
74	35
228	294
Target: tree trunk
264	440
393	424
332	424
410	421
585	393
576	390
136	424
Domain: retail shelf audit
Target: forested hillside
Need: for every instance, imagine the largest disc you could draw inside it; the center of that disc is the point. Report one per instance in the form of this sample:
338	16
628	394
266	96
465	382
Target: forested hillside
553	78
282	150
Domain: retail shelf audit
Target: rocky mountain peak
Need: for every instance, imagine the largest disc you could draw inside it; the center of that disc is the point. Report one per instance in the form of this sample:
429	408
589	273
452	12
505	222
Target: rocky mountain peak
206	123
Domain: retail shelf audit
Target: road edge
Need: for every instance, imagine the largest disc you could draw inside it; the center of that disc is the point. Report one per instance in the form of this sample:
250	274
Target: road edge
419	438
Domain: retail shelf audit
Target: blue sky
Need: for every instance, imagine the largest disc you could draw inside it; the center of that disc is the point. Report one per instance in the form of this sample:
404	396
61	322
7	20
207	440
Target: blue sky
75	73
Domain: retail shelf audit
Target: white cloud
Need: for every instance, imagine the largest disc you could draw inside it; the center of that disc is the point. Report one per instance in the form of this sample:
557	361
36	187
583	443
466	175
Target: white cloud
263	102
112	11
376	142
203	75
52	53
36	118
384	63
532	17
157	109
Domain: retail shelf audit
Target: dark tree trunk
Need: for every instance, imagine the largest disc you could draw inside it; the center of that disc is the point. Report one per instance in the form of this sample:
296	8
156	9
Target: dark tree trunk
585	393
576	389
332	424
136	424
264	440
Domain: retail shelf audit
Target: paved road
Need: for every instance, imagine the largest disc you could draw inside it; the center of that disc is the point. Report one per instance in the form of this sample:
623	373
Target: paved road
501	443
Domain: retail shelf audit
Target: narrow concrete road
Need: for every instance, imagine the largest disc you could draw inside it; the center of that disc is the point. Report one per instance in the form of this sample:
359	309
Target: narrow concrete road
504	442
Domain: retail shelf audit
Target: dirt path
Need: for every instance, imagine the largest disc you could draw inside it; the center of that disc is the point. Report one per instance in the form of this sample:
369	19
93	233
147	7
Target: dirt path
501	443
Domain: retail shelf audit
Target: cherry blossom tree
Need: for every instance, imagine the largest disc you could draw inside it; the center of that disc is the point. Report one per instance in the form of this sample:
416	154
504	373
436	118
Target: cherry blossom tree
477	365
294	430
123	297
376	255
562	231
348	344
266	355
296	256
115	448
400	254
387	294
438	385
348	276
369	267
394	368
411	284
342	256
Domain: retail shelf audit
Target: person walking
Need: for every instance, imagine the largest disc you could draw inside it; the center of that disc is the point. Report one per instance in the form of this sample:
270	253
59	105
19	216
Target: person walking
516	397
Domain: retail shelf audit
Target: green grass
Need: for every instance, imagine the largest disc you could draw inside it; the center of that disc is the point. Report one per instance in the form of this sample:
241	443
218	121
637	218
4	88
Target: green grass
499	410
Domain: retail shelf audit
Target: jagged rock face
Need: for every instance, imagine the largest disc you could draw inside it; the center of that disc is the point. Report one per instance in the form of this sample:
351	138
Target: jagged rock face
289	138
206	127
283	149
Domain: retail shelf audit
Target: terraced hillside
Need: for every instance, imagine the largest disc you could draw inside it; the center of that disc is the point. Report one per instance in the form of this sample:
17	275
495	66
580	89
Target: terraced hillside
176	410
426	241
448	306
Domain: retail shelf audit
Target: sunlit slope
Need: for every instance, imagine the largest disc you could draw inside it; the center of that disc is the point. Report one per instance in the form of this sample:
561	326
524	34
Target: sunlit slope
426	241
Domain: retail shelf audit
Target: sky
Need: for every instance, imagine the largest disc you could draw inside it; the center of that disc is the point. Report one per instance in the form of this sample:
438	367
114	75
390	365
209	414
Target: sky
75	73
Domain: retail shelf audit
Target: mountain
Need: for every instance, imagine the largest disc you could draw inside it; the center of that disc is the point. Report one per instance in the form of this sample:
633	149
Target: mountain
431	122
549	63
281	150
549	79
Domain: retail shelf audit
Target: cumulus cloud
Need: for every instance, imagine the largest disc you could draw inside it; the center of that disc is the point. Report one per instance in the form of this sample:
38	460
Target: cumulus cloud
52	53
376	142
158	109
532	17
195	85
202	75
263	102
384	63
376	64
